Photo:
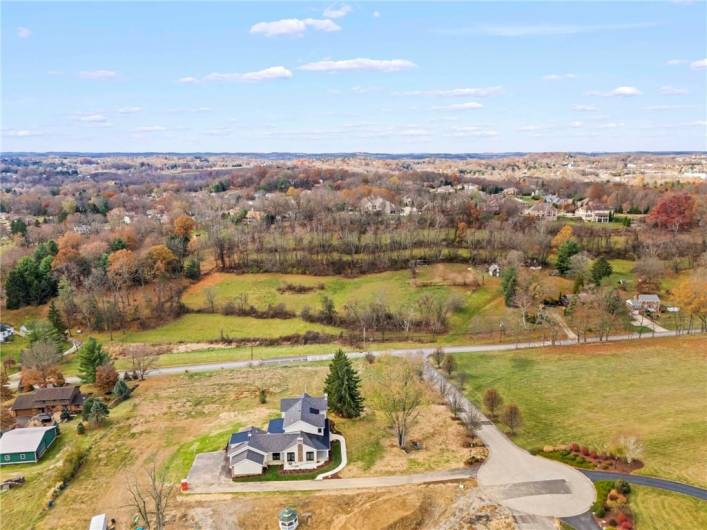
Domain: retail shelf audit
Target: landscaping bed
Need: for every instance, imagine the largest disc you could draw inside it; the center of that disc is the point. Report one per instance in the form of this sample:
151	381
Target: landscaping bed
611	508
581	456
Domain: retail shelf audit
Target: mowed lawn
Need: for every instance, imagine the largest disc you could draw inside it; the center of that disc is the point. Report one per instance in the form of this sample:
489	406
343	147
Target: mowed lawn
659	510
203	327
656	389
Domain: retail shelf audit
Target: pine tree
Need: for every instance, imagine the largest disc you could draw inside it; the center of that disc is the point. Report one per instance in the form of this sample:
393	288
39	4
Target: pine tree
91	356
601	268
509	283
121	390
55	318
342	387
564	253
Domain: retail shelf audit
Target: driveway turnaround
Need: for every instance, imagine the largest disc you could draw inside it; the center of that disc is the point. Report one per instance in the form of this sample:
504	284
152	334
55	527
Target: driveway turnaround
518	480
208	474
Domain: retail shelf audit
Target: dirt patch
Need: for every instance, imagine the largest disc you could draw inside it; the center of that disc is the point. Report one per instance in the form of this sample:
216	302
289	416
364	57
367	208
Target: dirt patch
420	507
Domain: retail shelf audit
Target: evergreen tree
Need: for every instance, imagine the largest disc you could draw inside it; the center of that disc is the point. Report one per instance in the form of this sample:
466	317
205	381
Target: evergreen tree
98	413
80	429
91	355
509	283
192	269
342	387
601	269
564	254
5	390
121	390
55	318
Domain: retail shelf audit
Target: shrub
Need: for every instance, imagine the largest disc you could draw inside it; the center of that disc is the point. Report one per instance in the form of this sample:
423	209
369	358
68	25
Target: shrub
71	464
574	447
623	487
585	451
80	429
612	522
262	396
613	496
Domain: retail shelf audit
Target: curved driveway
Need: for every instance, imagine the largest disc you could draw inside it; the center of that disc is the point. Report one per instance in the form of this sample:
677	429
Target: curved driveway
677	487
515	478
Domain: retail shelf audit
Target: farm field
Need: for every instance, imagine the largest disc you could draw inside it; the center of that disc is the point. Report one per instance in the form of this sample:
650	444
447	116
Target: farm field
593	393
171	418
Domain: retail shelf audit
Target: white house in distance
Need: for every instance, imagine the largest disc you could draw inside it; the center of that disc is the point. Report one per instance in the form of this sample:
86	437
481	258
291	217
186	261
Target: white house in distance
644	302
593	212
299	440
541	210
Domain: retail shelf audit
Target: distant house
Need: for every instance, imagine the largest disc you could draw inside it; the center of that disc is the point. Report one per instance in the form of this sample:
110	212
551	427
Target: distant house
46	401
299	440
541	210
495	270
253	216
6	332
378	205
649	303
510	192
23	446
594	212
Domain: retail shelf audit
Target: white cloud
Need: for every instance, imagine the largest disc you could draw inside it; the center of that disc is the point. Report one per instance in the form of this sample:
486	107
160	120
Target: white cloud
611	125
293	26
20	133
129	110
457	92
93	118
699	65
620	91
699	123
673	91
150	129
471	105
673	62
558	77
273	72
576	124
584	108
380	65
98	74
335	11
376	14
23	32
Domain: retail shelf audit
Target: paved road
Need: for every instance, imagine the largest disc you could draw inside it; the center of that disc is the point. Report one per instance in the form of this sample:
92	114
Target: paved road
471	348
518	480
207	476
677	487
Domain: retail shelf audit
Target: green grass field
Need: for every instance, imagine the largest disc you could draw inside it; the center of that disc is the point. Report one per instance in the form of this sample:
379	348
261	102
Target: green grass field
659	510
203	327
593	393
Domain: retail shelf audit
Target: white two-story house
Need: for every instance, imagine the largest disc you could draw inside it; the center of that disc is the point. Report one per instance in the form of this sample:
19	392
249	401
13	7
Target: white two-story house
298	440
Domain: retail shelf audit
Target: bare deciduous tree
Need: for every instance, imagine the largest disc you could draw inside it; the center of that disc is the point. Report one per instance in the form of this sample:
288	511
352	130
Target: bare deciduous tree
632	447
152	499
143	359
397	392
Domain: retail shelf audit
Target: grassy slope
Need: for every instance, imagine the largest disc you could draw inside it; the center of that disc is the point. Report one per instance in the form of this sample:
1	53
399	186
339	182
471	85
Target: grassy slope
658	510
591	394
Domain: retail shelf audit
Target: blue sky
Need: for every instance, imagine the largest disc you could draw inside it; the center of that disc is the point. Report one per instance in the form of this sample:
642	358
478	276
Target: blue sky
355	76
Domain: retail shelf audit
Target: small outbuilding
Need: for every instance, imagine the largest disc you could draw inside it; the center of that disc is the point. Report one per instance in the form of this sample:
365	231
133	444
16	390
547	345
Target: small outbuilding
25	446
649	303
288	519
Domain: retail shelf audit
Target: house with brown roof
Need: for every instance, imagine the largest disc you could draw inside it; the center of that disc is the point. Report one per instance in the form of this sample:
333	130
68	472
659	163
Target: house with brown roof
46	401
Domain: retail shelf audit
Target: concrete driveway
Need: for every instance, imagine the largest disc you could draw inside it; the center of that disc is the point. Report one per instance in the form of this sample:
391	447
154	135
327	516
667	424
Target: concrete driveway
208	474
520	481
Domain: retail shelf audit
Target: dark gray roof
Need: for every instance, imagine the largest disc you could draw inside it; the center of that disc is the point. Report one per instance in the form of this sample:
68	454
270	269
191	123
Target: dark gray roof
306	408
51	396
242	436
249	455
273	443
317	441
275	426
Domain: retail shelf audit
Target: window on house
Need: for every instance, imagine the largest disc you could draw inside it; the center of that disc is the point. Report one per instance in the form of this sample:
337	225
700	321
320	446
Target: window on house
7	458
276	456
290	457
310	456
319	430
23	457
